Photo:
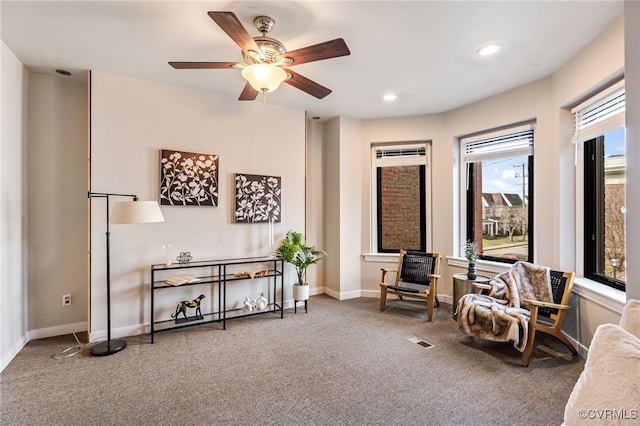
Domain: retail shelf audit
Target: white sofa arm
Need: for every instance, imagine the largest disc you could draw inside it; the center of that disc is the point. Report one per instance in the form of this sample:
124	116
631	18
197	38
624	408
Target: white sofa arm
630	319
607	390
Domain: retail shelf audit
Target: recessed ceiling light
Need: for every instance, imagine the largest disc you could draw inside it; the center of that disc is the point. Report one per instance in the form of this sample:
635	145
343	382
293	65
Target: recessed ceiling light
489	49
390	97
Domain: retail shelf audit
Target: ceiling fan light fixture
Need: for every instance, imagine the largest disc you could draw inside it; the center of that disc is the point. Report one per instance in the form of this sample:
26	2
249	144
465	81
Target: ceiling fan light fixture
264	77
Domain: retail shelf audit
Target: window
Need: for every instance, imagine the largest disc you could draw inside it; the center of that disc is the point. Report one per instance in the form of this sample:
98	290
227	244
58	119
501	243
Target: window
600	128
400	197
499	188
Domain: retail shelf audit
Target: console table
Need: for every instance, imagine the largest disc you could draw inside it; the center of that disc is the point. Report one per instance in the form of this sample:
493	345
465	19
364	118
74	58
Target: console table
216	277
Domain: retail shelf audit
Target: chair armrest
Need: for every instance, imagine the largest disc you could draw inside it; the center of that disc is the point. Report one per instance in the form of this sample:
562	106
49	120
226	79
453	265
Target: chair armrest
434	276
482	286
545	304
384	273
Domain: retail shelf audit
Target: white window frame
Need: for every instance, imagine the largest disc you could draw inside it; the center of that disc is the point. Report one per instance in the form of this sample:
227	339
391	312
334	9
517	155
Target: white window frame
463	169
581	134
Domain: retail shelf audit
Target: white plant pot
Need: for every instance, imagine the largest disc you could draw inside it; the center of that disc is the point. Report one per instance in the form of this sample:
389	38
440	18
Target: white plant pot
300	292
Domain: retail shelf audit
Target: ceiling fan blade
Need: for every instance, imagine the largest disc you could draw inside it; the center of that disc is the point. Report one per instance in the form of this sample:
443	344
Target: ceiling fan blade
303	83
318	52
202	65
248	93
230	24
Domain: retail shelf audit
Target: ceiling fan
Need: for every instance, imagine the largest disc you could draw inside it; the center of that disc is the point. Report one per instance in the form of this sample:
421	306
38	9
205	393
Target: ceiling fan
267	60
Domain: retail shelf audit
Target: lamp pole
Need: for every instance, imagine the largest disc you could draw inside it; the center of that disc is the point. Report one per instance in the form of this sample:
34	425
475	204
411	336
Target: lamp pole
109	347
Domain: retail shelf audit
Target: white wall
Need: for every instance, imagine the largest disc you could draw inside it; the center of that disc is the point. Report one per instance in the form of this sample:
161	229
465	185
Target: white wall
315	219
342	192
57	203
13	290
331	192
131	121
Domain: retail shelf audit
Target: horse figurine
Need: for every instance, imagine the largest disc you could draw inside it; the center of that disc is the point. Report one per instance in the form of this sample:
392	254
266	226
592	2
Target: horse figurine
182	308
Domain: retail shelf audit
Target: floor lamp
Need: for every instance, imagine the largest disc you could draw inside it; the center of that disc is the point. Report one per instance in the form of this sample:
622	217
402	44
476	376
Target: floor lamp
127	212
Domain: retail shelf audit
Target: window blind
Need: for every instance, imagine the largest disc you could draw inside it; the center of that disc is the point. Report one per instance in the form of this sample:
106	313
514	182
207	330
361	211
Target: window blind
512	143
391	156
600	114
400	152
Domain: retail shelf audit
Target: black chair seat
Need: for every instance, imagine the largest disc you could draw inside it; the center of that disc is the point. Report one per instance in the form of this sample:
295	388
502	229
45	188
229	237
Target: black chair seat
405	287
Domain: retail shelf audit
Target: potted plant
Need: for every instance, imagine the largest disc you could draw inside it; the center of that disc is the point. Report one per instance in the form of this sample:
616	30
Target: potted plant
293	249
471	253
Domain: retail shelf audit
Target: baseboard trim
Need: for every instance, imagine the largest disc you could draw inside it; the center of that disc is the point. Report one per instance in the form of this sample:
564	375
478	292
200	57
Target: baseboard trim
342	295
13	351
58	330
583	351
117	333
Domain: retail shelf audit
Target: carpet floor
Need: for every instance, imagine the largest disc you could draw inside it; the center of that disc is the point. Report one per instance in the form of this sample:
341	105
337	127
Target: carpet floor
342	363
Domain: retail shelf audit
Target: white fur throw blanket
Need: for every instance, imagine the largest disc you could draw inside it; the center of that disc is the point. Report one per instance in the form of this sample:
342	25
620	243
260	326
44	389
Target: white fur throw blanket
501	316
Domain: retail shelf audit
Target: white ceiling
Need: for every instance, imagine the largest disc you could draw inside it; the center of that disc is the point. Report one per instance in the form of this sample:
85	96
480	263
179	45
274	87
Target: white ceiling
424	51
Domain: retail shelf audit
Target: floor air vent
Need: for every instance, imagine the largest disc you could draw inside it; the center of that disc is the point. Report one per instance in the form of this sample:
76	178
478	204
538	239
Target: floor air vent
420	342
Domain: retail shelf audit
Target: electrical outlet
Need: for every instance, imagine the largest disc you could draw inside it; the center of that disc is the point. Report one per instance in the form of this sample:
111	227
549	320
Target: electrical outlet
66	300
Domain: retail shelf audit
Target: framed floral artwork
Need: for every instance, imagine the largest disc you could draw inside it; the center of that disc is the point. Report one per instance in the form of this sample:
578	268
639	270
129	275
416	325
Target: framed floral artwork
258	198
188	179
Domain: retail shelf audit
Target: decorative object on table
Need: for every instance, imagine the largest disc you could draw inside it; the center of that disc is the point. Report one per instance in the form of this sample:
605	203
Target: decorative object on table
184	257
471	253
261	302
242	274
259	274
258	199
166	250
188	178
293	249
175	281
181	308
252	274
249	304
129	212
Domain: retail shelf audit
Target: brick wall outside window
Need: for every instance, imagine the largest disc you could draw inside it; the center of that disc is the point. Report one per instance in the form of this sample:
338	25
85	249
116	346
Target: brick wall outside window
400	210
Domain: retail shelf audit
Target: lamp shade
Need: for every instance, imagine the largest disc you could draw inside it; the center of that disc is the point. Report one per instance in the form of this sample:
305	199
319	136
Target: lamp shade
264	77
136	212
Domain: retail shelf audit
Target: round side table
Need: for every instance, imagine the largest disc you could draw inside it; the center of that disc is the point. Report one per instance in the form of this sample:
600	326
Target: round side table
463	285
